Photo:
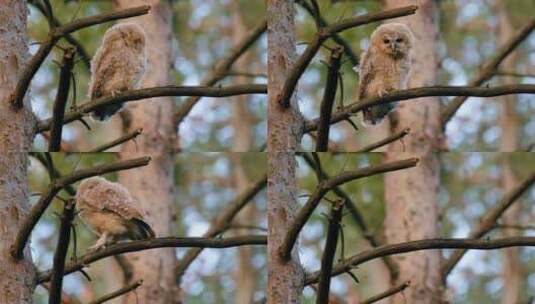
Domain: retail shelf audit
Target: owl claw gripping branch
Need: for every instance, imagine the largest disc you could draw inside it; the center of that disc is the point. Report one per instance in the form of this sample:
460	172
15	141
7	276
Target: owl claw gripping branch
109	210
385	67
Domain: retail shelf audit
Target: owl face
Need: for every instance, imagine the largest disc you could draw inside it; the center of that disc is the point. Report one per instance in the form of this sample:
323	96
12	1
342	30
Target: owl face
393	39
130	34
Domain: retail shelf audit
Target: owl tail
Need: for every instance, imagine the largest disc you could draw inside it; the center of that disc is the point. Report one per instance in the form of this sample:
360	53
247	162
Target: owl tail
375	114
106	112
142	229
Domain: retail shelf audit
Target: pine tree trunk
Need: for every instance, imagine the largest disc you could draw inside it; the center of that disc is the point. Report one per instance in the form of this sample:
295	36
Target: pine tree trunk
153	185
411	195
285	279
16	277
512	274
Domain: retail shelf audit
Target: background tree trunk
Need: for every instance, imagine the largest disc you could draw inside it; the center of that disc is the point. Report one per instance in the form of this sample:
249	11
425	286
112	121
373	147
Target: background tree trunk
153	185
16	277
512	274
285	279
411	195
242	123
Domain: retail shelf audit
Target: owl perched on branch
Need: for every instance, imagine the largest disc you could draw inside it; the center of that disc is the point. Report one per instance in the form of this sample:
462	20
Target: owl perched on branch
108	209
118	65
385	67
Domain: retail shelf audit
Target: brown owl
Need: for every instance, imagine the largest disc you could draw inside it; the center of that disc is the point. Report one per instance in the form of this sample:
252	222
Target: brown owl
385	67
118	65
108	209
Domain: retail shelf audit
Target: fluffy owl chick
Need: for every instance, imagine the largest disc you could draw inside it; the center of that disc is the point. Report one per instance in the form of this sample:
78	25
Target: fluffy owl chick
118	65
385	67
108	209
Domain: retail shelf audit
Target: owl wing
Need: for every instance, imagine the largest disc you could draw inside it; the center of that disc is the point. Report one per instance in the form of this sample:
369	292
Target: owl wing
113	197
101	70
365	74
365	78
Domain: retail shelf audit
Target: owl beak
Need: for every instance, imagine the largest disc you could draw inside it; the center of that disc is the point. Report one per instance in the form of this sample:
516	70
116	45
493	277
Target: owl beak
394	47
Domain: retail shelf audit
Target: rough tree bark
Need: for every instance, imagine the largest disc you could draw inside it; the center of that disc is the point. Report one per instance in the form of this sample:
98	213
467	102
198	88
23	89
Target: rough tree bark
242	124
411	195
16	134
153	185
285	278
512	274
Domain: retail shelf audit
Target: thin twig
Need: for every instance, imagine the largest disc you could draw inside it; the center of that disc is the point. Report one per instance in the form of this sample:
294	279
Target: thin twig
413	93
393	249
61	253
487	222
132	95
54	35
304	60
165	242
488	69
326	108
55	186
54	144
118	141
306	211
390	292
118	293
329	252
384	142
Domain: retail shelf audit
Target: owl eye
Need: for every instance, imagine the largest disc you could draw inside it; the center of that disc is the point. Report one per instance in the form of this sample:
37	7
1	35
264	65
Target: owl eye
386	40
399	40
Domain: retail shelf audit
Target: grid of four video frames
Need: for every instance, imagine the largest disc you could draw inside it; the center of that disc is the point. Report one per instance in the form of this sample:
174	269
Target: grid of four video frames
277	151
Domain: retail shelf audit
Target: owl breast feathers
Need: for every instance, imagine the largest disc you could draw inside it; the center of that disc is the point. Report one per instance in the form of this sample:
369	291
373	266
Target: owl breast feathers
385	67
109	210
118	65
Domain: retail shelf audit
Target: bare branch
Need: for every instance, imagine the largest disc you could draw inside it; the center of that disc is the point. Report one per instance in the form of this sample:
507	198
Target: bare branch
118	293
221	68
488	69
387	293
54	35
370	254
132	95
337	38
55	186
357	216
118	141
331	84
304	60
54	22
488	221
423	92
514	74
61	253
329	252
133	246
54	144
385	141
326	186
221	224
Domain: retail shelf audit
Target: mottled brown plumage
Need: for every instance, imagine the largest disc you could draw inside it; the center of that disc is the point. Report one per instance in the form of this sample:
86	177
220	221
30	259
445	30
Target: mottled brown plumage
109	210
385	67
118	65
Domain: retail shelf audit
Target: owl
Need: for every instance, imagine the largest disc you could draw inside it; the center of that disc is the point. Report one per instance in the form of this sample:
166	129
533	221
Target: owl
108	209
385	67
118	65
